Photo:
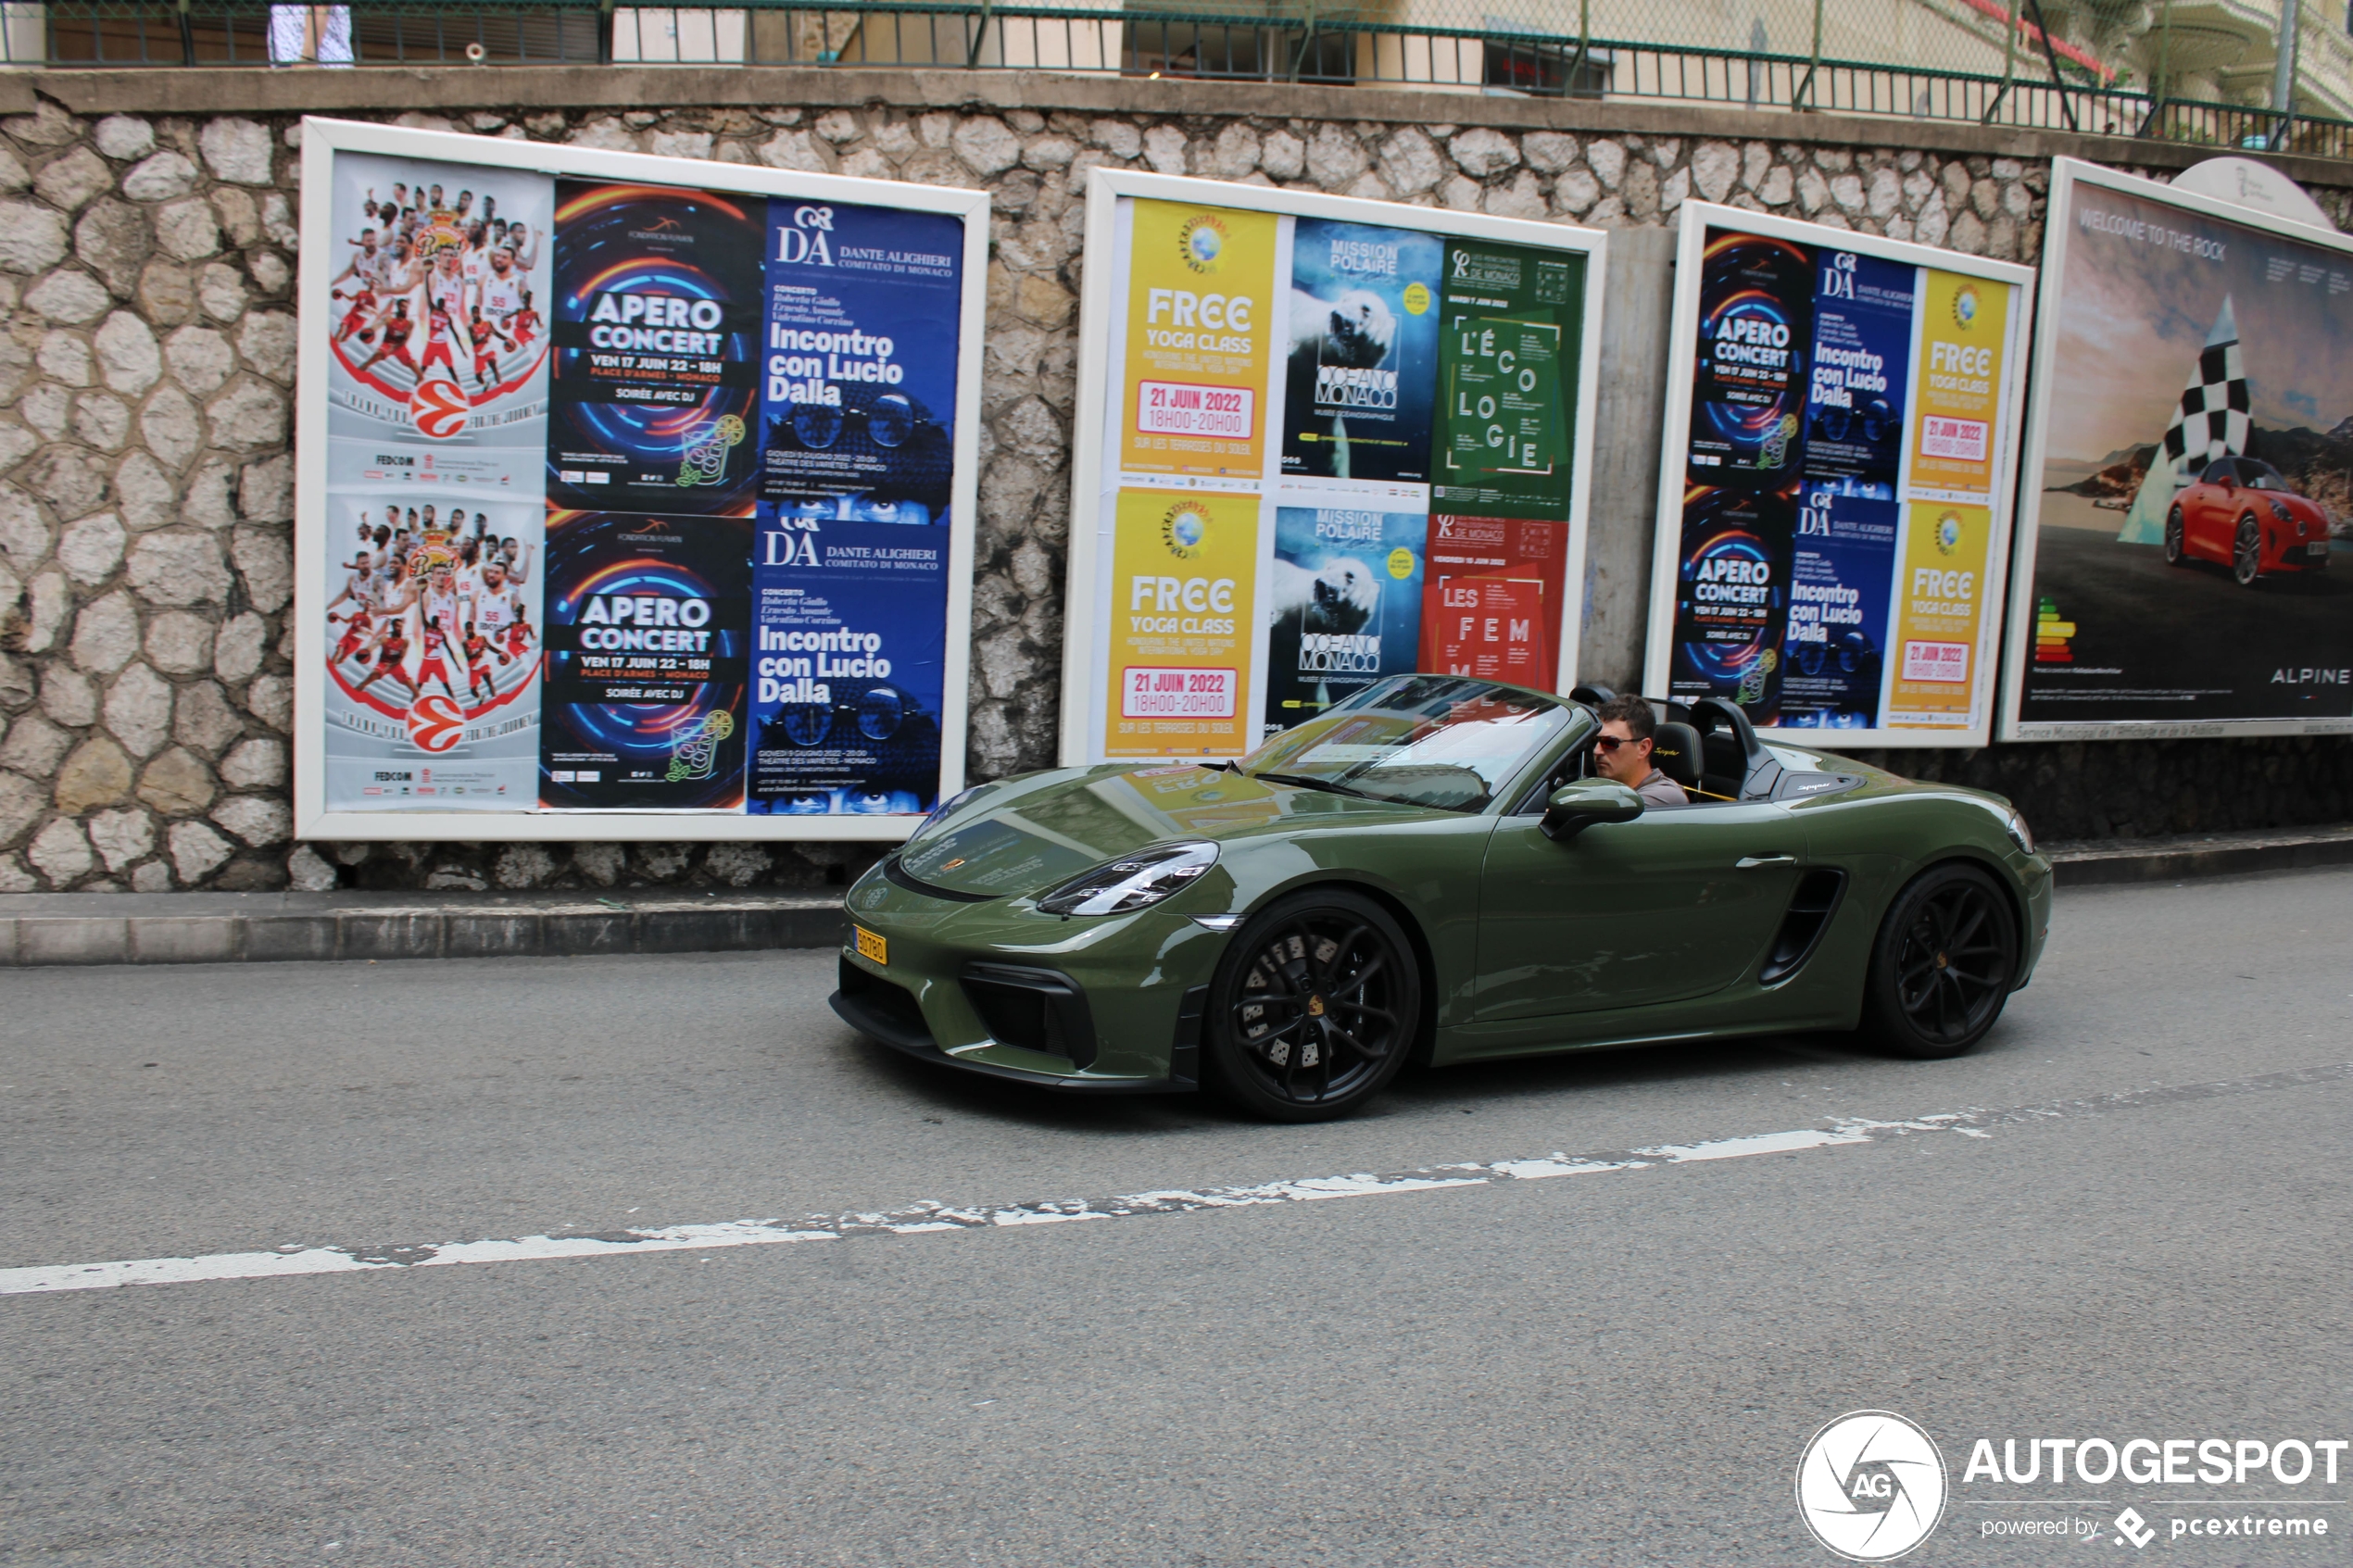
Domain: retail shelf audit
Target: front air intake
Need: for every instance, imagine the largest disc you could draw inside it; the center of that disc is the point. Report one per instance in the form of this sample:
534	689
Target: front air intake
1809	915
1034	1008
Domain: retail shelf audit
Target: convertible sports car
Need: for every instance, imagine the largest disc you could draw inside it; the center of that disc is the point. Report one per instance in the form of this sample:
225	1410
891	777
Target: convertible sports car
2242	514
1426	872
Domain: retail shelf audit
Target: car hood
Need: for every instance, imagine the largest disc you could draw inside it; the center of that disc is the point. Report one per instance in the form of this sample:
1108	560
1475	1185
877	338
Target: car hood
1026	834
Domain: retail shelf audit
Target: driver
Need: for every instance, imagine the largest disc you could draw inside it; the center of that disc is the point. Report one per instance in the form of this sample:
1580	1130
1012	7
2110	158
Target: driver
1622	752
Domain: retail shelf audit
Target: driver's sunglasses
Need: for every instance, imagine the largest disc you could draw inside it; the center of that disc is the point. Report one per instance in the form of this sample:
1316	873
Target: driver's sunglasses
1611	743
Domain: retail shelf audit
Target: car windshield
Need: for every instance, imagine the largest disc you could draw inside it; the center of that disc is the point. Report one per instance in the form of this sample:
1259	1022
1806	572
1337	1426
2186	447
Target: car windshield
1438	741
2259	476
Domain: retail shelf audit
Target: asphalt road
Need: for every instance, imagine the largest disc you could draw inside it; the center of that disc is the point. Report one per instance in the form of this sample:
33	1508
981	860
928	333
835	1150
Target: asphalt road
1613	1368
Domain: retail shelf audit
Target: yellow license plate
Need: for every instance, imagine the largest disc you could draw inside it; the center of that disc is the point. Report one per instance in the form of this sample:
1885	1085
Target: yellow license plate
871	945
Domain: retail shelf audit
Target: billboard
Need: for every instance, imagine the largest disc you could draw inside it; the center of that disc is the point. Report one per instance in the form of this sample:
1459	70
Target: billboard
2186	510
1338	440
628	488
1841	438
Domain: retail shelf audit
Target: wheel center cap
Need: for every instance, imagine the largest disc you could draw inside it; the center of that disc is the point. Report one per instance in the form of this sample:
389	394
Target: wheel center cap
1942	962
1316	1004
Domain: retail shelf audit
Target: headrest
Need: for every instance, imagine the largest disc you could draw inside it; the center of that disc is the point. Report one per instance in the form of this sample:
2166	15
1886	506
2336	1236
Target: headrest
1675	752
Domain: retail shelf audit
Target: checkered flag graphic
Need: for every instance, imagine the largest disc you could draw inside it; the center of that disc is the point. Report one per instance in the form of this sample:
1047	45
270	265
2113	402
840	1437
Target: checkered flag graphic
2211	421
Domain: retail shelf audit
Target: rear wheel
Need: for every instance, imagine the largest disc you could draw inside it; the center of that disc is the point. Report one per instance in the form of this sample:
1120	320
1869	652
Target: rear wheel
2246	552
1313	1010
2176	549
1943	966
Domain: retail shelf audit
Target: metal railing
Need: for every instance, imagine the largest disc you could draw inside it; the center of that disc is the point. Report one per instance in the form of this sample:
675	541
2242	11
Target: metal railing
1386	42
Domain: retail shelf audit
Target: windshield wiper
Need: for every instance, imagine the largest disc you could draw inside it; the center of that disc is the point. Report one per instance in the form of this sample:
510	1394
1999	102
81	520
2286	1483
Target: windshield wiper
1304	782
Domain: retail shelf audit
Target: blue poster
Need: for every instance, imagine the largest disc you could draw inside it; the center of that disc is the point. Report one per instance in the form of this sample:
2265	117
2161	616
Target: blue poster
849	666
647	619
1362	355
1856	396
1731	598
657	326
1748	385
859	368
1344	596
1840	576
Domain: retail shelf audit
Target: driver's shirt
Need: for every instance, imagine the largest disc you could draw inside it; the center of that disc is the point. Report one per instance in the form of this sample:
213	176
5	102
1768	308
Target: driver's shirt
1660	790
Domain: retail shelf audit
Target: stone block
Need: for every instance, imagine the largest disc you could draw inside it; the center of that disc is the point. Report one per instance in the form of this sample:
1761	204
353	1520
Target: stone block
184	939
52	939
391	935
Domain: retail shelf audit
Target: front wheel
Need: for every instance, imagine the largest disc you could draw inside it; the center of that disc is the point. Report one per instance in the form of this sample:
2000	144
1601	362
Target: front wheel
1313	1008
2176	544
1946	956
2246	553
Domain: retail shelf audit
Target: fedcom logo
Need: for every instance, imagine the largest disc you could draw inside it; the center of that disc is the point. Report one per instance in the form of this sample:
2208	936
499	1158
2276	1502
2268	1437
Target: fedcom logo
1870	1486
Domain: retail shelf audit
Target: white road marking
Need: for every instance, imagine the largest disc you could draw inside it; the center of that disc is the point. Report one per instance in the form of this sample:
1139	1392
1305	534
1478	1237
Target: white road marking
1846	1132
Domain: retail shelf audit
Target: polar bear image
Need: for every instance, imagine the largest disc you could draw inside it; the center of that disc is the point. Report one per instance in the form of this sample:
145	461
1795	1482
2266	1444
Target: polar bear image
1355	330
1339	598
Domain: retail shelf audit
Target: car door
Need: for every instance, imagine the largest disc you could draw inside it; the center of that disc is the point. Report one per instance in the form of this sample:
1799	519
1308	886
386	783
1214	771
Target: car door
2206	531
1676	904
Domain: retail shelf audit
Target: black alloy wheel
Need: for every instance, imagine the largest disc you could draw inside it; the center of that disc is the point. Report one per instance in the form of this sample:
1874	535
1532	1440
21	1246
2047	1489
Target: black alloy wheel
1314	1009
1946	957
2246	552
2176	546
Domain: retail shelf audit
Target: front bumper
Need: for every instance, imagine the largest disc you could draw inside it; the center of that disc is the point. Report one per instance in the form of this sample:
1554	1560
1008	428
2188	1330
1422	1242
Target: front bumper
1109	1005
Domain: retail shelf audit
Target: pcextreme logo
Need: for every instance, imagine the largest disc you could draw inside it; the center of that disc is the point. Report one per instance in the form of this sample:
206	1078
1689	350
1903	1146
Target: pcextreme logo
1870	1486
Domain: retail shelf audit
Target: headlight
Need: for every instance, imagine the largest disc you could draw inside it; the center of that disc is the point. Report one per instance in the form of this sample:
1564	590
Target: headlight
2279	509
1132	882
942	811
2020	834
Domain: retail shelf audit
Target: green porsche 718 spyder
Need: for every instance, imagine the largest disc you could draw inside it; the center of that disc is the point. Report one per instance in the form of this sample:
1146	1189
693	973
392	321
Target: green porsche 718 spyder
1429	871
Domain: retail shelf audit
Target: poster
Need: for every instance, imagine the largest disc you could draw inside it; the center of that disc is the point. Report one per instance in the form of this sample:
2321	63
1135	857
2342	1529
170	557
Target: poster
1343	606
1840	580
1361	371
859	373
1201	322
1834	501
1268	377
656	325
1939	614
849	667
1185	569
2181	569
1492	602
1508	357
437	405
648	635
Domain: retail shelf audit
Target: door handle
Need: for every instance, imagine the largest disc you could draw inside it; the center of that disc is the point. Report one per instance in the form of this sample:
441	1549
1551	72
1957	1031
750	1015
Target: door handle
1749	862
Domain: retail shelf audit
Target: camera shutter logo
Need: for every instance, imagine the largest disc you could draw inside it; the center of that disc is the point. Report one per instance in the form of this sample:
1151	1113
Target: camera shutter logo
1871	1486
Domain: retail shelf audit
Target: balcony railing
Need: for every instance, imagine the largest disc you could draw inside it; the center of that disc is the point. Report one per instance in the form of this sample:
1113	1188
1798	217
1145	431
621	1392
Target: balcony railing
1293	40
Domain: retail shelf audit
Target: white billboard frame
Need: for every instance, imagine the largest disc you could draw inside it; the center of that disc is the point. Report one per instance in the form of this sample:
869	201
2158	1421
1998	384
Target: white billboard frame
2066	174
1082	691
322	138
1676	438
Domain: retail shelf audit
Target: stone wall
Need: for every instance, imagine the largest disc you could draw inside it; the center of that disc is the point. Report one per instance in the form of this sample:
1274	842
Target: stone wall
146	373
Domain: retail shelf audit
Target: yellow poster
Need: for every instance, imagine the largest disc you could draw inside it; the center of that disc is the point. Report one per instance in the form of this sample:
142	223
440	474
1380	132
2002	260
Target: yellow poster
1201	325
1940	612
1964	323
1182	574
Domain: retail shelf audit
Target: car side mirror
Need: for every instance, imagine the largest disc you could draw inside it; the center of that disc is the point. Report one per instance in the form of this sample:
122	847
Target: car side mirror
1576	807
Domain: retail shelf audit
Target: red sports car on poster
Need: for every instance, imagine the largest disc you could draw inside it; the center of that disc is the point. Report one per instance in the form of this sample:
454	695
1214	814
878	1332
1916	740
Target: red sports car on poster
2242	514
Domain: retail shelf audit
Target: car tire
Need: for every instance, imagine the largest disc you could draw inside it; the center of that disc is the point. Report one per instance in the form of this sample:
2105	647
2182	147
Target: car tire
1943	966
1313	1008
2176	546
2246	552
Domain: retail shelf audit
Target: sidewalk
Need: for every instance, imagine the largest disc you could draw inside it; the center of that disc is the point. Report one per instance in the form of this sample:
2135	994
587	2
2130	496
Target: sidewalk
149	928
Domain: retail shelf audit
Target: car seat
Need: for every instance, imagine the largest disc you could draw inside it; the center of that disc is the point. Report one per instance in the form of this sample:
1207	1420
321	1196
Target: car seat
1675	751
1723	756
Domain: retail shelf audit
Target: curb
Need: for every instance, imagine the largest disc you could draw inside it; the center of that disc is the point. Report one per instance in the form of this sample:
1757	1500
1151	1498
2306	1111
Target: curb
46	930
503	928
2093	865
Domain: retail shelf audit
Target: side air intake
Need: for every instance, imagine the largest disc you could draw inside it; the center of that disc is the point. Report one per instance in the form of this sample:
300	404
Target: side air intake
1809	915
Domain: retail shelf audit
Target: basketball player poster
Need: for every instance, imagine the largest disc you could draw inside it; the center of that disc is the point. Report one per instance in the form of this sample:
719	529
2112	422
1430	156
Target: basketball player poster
648	632
436	383
657	326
